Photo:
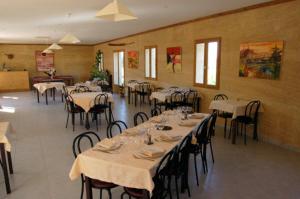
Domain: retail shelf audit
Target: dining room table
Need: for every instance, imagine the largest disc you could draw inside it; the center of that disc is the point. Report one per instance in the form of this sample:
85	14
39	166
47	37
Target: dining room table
164	95
42	88
133	86
86	100
235	106
92	88
123	166
5	148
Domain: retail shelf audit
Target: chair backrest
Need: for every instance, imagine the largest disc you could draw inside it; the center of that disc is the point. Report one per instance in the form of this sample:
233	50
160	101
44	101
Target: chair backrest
155	111
69	102
211	124
190	97
90	136
177	97
252	109
120	125
159	178
183	154
143	117
221	97
202	131
144	87
101	99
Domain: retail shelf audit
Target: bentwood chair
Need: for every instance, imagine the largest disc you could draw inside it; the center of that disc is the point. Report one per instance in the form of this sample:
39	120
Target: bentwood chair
101	106
223	114
250	117
120	125
78	143
190	98
179	166
155	111
143	117
177	100
143	90
160	190
73	109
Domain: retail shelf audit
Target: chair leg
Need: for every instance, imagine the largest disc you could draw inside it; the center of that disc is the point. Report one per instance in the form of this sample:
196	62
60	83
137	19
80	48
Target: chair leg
225	127
169	187
100	193
109	193
203	162
122	195
212	153
176	183
82	189
204	157
67	120
245	134
96	118
73	121
196	169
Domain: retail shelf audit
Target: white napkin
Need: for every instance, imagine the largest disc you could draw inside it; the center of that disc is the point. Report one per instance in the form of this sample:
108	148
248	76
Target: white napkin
169	137
131	132
187	123
156	119
153	151
107	143
197	116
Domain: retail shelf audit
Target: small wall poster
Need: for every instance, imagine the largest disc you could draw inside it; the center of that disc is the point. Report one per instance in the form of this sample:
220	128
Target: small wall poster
44	61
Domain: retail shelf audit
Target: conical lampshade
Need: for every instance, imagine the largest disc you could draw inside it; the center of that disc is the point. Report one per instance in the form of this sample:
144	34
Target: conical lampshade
116	11
69	39
55	46
48	51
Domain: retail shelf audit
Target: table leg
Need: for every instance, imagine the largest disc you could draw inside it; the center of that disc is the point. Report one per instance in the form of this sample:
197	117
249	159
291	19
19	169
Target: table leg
234	131
53	94
135	98
5	171
11	171
129	95
87	123
38	95
109	112
88	188
46	96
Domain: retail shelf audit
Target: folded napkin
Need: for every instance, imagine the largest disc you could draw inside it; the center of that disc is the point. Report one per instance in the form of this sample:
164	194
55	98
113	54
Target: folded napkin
153	151
170	137
169	112
156	119
132	132
107	143
197	116
187	123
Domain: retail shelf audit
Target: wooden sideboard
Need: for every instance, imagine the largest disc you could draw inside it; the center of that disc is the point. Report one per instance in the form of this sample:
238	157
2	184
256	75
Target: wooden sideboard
14	81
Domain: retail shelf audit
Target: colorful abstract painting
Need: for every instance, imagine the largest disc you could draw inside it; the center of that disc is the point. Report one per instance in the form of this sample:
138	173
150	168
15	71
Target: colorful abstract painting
133	59
44	62
174	59
261	60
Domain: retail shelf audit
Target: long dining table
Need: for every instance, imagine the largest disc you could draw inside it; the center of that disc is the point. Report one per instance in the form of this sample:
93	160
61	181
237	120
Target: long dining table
122	167
86	101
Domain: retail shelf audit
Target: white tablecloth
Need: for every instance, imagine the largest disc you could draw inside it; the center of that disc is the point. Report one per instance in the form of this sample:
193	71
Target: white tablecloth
165	94
42	87
5	128
86	100
91	88
134	85
122	168
236	107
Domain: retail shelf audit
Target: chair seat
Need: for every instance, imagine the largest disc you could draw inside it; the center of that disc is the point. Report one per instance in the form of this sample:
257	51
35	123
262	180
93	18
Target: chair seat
225	115
137	193
102	185
244	119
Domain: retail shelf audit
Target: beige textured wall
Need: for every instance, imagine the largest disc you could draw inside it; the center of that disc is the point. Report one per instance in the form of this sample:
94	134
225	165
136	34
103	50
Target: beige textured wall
280	123
72	60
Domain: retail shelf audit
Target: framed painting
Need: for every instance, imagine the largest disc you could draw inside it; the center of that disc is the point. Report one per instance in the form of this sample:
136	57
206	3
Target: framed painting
261	59
174	59
133	59
44	62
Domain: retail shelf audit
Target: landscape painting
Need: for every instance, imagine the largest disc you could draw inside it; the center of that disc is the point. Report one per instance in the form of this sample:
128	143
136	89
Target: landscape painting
174	59
261	59
133	59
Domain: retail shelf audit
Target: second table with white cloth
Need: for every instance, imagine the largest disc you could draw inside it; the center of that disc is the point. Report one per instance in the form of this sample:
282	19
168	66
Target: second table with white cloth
43	87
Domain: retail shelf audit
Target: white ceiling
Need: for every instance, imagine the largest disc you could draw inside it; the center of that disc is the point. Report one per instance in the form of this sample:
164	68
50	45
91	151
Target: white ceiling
22	21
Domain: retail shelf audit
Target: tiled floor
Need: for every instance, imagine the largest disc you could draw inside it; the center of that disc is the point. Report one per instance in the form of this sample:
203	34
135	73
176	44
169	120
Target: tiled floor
42	158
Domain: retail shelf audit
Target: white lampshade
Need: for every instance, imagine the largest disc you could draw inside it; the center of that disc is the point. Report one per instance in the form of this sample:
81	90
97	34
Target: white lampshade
115	11
55	46
69	39
48	51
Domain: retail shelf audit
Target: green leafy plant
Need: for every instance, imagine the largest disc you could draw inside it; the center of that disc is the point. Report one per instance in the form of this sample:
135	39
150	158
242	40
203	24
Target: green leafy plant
97	71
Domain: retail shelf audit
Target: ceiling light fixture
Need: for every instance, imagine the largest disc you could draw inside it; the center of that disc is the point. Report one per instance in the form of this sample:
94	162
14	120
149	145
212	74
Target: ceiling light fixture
116	11
55	46
69	39
47	51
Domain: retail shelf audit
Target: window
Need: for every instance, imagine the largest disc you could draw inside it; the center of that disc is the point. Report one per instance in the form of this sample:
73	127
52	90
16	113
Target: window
150	63
119	67
207	66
